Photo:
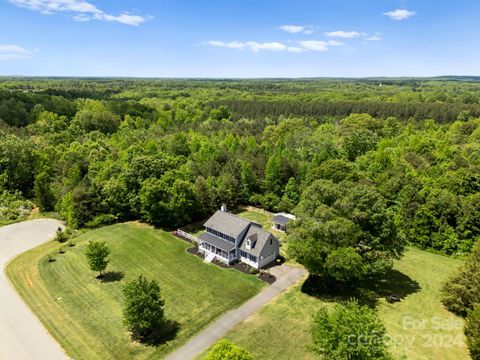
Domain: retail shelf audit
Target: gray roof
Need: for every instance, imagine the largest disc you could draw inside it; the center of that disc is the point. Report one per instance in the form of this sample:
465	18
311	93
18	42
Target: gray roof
258	237
217	242
281	219
227	223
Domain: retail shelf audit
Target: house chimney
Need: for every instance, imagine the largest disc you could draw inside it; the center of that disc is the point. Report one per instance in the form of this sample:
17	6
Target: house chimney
223	208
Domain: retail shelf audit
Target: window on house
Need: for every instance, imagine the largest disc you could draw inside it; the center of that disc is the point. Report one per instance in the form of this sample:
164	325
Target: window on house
253	258
271	241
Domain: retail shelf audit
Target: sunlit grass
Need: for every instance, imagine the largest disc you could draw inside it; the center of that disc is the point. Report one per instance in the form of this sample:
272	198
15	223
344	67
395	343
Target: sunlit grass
84	314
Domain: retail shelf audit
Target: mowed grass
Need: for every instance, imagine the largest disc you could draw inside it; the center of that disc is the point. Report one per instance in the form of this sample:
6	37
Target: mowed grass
85	314
280	330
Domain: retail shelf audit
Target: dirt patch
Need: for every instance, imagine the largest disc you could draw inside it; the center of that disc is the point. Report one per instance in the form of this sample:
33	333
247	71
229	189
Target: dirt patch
267	277
244	268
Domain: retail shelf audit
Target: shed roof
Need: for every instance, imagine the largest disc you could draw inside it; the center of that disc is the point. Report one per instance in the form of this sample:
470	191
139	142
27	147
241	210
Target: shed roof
281	219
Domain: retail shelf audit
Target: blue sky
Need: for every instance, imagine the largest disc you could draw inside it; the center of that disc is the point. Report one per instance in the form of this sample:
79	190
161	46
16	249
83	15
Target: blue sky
239	38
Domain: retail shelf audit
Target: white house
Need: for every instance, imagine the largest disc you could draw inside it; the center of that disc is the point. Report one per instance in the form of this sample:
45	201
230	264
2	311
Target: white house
229	238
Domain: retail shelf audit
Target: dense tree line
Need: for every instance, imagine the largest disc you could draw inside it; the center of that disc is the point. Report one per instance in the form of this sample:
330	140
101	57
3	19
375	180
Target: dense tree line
442	112
163	151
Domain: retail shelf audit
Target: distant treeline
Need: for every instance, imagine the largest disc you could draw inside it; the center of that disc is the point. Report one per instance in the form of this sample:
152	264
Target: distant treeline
441	112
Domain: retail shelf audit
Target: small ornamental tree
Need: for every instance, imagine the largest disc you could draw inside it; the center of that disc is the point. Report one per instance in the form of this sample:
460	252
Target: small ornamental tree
225	350
143	309
60	235
349	331
472	332
97	255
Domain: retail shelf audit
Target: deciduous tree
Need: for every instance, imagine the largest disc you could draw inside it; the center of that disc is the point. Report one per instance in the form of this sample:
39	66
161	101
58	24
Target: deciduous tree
349	331
225	350
143	311
97	255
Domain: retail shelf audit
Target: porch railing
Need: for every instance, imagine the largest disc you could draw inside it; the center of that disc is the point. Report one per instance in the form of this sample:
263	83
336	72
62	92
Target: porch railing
188	236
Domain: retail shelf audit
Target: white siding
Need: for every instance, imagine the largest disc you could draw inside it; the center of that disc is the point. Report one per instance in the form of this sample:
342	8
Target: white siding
249	262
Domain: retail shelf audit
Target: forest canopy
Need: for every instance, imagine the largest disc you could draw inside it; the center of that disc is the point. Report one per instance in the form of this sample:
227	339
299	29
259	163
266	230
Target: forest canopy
170	151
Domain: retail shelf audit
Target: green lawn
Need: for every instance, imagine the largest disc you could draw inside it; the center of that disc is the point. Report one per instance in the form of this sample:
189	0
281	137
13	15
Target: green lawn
84	314
280	330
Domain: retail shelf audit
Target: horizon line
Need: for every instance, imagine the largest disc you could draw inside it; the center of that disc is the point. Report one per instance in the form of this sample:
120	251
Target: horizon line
375	77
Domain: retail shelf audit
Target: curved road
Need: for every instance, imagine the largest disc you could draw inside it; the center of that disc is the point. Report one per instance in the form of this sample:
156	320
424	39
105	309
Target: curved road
22	336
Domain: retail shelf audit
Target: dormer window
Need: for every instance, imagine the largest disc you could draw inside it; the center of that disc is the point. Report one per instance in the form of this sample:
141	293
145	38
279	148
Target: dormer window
248	244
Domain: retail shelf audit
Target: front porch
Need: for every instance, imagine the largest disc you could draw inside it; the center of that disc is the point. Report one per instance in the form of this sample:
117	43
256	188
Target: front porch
220	254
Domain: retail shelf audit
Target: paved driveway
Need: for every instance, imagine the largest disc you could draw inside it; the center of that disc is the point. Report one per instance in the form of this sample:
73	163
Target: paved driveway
286	276
22	336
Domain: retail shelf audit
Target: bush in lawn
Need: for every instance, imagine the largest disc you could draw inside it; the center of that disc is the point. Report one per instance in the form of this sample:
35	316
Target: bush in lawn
60	235
349	331
462	291
97	255
225	350
472	332
143	309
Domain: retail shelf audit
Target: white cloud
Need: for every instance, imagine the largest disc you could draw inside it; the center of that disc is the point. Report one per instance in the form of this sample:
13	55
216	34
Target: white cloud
124	18
252	45
400	14
230	45
314	45
335	43
82	10
269	46
343	34
292	28
296	29
374	37
14	52
295	49
291	46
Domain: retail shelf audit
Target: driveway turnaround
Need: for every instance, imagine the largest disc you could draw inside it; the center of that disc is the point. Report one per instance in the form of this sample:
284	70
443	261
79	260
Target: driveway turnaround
22	336
286	276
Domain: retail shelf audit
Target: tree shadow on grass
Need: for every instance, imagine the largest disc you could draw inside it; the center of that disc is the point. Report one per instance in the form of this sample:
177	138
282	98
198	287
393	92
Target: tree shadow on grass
367	292
167	333
111	276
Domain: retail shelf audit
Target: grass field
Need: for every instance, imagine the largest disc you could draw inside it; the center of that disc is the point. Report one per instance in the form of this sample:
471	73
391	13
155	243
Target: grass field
84	314
419	326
